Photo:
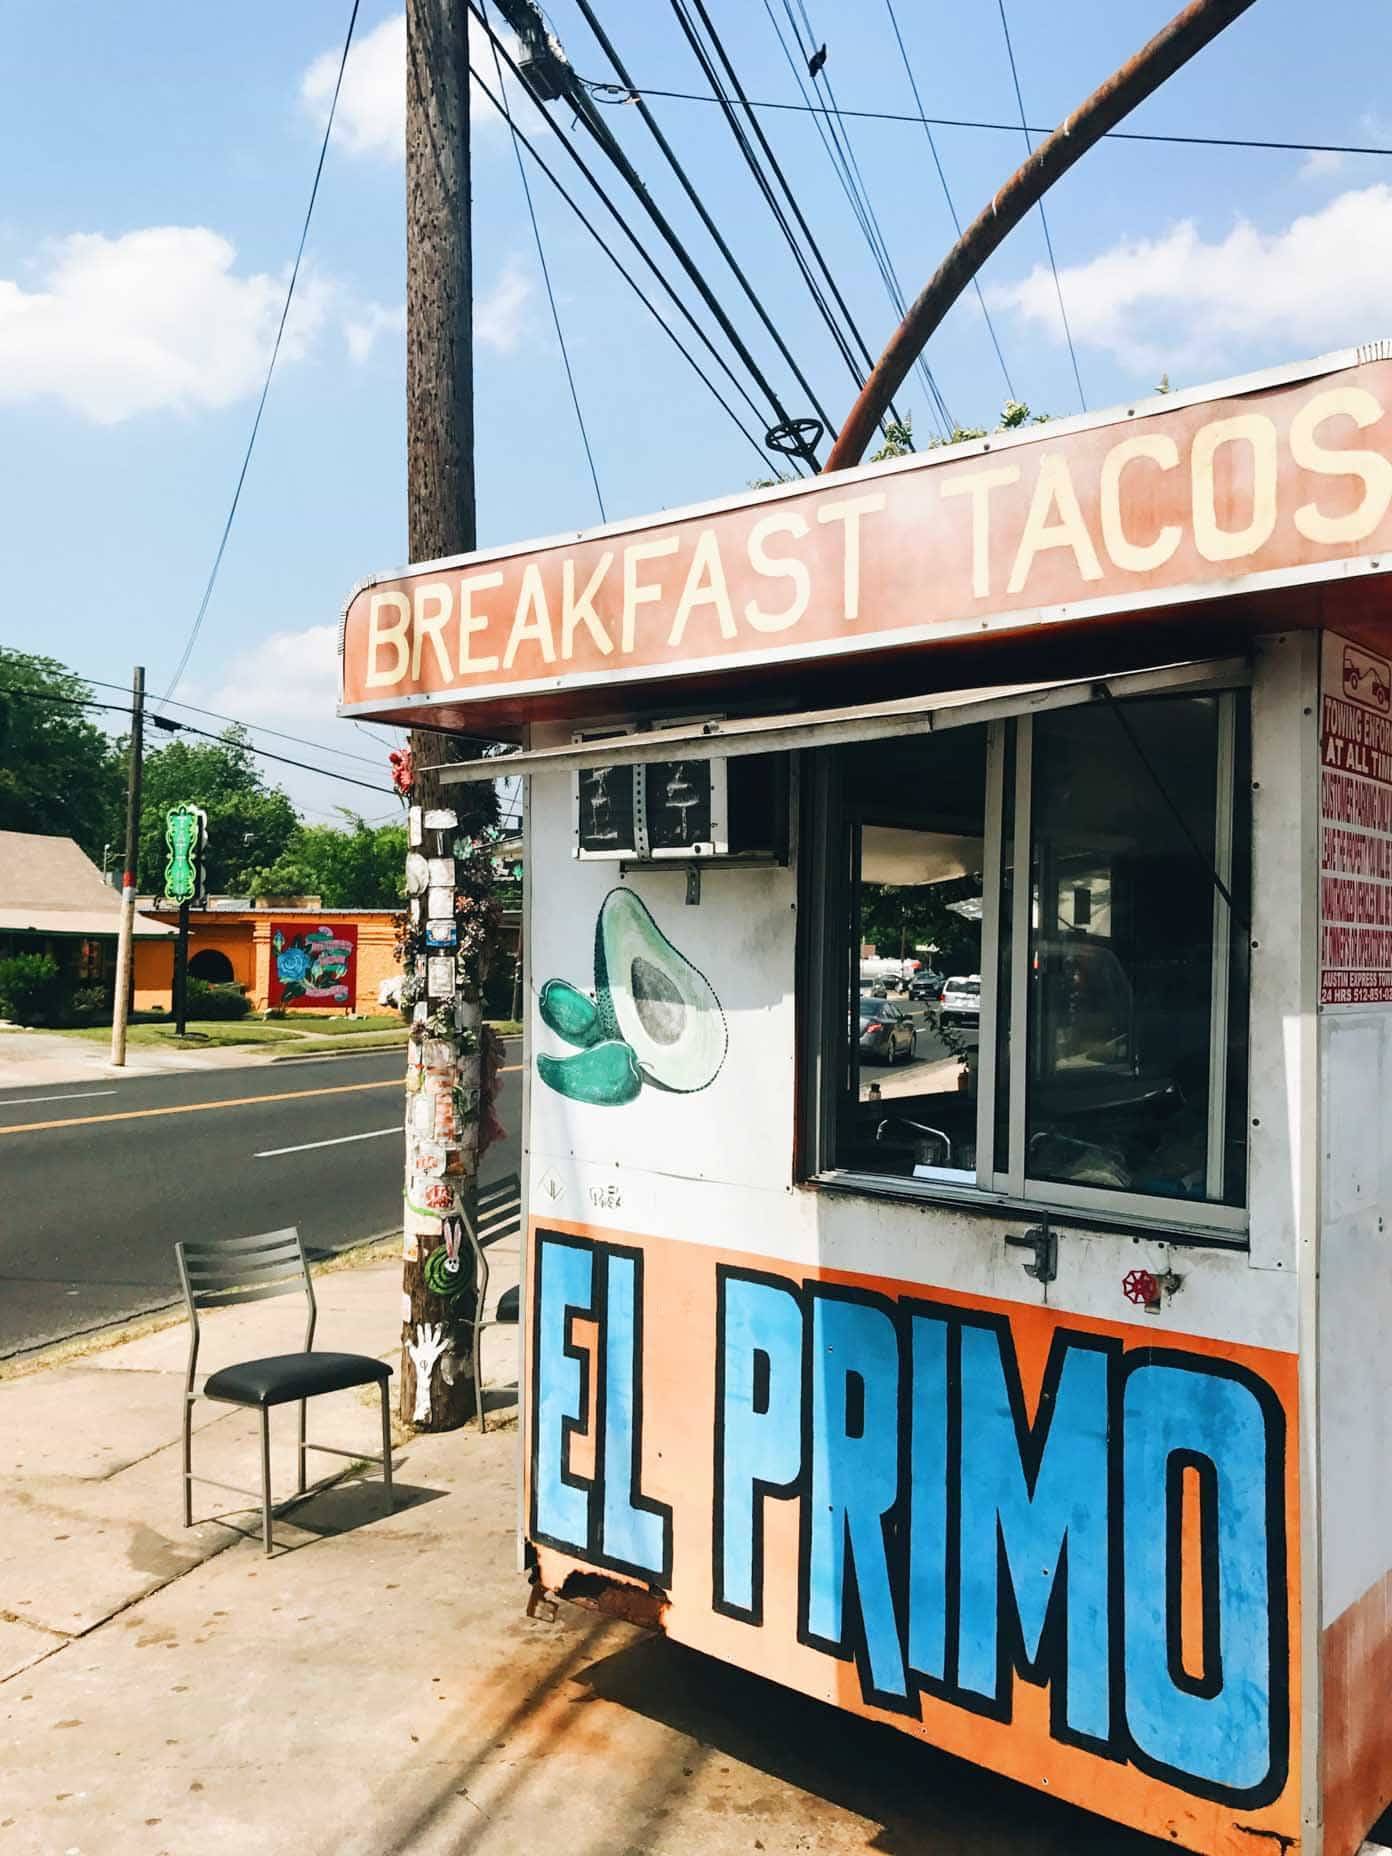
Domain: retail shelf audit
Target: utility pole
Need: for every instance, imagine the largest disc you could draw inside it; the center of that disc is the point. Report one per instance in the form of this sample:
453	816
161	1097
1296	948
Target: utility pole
126	938
444	1070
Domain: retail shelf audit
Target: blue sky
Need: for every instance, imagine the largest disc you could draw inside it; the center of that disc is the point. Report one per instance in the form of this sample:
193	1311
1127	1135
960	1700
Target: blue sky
163	157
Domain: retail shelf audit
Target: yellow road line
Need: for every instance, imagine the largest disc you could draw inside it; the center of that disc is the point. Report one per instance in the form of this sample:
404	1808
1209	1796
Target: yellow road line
197	1108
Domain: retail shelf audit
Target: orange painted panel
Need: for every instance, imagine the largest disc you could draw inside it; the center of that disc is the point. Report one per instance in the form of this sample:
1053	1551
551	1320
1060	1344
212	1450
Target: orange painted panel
1038	1541
1357	1724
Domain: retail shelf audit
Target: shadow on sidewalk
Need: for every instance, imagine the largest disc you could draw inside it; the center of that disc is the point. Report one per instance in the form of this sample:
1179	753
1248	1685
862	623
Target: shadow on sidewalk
917	1794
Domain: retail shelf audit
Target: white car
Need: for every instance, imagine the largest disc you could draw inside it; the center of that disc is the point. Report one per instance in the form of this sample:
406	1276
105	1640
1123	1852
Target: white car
961	1001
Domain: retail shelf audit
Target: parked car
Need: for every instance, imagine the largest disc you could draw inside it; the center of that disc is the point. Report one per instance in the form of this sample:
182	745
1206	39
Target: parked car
886	1031
926	986
961	1001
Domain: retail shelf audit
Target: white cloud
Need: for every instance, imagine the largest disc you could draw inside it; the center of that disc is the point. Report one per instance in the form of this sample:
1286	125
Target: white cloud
1182	301
289	679
499	322
1320	164
361	332
371	115
153	320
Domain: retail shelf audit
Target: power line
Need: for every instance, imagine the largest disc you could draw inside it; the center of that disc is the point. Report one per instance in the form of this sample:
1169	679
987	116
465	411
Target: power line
852	182
1013	128
270	370
550	293
627	275
563	83
947	191
170	726
709	223
1043	216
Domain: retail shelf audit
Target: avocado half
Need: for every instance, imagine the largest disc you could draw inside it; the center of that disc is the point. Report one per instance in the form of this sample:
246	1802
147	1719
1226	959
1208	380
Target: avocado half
649	995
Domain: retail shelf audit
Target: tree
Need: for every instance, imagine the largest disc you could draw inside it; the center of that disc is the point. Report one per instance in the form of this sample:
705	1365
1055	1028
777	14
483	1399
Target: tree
896	919
249	822
59	774
352	866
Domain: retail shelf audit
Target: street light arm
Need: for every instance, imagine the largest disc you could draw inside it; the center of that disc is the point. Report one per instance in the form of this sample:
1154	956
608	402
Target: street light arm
1187	33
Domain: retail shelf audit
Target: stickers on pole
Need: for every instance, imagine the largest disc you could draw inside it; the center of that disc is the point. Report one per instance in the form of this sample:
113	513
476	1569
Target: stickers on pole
1355	825
439	976
441	818
413	827
417	873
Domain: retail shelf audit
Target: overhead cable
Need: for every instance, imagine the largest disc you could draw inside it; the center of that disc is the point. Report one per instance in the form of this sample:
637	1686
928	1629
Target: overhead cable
627	275
632	94
270	370
170	726
714	230
578	159
585	115
550	293
1043	216
837	143
947	192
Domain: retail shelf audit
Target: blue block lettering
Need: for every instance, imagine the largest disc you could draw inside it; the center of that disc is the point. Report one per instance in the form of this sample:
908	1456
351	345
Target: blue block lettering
564	1286
758	1428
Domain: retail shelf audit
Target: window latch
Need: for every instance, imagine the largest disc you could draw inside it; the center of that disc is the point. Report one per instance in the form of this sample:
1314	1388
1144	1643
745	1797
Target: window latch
1044	1243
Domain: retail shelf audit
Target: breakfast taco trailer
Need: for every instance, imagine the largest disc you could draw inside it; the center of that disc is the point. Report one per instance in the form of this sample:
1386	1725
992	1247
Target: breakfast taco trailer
1031	1396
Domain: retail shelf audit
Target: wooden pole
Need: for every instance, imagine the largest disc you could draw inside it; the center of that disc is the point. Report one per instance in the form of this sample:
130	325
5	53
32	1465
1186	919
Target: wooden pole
125	940
443	1077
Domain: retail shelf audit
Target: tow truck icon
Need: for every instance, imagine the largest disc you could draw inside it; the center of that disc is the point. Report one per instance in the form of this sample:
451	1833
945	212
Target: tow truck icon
1367	679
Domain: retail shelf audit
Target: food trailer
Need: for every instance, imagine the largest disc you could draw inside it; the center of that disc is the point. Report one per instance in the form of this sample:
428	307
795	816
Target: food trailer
1032	1397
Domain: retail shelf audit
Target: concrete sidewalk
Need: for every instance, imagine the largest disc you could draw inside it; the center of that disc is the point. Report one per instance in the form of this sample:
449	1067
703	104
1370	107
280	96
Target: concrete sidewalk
39	1059
376	1687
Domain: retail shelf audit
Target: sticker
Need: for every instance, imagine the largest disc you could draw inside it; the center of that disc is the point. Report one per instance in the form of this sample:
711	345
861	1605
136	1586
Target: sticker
439	902
417	910
441	818
439	976
430	1195
441	933
421	1224
417	873
423	1118
440	1055
413	827
410	1247
442	871
420	1011
430	1162
550	1188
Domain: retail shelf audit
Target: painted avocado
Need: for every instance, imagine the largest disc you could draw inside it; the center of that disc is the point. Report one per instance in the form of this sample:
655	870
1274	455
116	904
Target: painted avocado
566	1011
652	997
606	1074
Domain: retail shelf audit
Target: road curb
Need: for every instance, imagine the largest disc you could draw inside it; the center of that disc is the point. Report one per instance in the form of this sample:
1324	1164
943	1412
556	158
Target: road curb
106	1335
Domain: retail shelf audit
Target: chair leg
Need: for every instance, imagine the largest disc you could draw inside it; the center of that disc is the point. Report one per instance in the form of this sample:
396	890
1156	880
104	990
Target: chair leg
266	1478
188	1461
304	1405
478	1375
386	1447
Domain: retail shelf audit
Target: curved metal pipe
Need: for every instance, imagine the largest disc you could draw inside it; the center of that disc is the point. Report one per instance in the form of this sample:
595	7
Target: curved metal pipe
1187	33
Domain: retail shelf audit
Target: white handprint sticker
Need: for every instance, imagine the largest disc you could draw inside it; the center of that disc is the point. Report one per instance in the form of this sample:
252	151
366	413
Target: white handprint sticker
425	1350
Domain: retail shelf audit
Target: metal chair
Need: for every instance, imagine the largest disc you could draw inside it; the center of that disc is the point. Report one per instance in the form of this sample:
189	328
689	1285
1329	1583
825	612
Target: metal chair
225	1273
499	1214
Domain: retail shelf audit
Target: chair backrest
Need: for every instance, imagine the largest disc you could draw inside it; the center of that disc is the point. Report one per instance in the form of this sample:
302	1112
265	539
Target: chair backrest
498	1213
224	1272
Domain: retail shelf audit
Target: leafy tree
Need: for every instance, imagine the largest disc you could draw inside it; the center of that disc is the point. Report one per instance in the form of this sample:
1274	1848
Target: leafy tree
59	774
898	918
249	822
352	866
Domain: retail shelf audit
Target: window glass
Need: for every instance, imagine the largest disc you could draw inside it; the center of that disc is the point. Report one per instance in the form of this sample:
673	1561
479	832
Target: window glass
1123	843
915	810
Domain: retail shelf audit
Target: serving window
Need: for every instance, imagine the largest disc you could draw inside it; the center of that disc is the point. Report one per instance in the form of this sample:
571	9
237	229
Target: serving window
1025	973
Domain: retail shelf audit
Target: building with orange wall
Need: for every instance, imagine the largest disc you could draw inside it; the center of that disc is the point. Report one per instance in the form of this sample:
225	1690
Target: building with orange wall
235	946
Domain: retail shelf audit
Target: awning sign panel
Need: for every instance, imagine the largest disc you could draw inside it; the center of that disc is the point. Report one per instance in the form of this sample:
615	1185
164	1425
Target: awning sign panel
1146	506
1355	825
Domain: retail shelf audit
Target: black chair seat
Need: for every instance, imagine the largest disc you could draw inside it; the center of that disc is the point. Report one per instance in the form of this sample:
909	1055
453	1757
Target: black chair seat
510	1304
286	1376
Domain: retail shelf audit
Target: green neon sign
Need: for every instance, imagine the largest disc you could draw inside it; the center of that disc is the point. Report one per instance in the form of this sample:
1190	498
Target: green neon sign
185	835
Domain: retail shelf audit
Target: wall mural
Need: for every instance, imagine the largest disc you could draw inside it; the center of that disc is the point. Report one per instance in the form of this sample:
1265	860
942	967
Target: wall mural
1035	1538
654	1018
314	964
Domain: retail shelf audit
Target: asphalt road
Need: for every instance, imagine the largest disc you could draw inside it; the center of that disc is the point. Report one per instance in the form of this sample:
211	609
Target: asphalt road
99	1180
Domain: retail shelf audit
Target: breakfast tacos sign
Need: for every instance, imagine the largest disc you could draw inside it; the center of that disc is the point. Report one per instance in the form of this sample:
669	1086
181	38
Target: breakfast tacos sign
1147	506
